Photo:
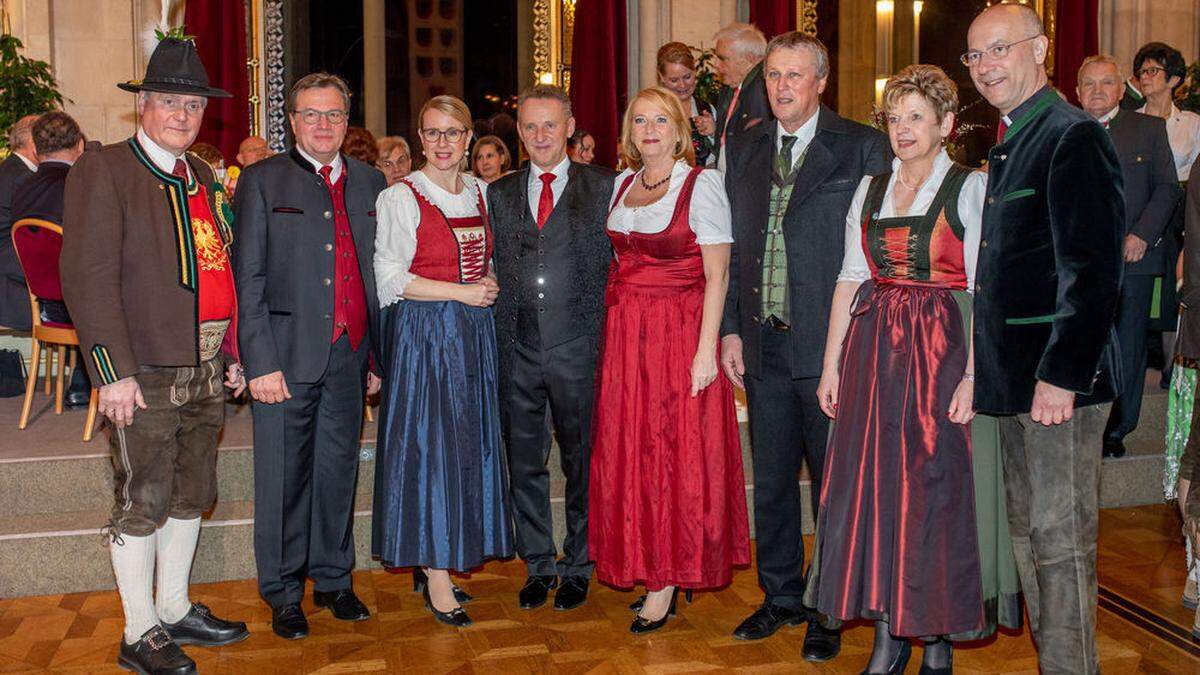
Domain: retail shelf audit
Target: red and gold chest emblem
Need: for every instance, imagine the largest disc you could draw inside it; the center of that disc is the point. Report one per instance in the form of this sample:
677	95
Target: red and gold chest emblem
210	253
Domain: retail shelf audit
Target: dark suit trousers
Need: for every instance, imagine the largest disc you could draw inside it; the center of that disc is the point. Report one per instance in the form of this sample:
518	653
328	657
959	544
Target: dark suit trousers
305	472
786	428
559	381
1133	321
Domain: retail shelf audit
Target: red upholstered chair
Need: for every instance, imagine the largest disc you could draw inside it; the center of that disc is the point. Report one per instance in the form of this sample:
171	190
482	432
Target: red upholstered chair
38	244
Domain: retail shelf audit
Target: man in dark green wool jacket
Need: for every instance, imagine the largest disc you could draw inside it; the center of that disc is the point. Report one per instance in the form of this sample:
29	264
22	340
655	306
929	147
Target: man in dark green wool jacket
1048	281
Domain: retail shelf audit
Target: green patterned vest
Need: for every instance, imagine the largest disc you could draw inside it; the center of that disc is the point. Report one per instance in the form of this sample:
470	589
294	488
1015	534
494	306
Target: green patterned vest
774	271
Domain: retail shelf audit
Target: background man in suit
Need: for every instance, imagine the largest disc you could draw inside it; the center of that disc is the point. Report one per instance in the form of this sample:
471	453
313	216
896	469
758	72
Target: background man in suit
1046	295
552	257
1151	193
59	142
790	183
308	318
743	99
20	164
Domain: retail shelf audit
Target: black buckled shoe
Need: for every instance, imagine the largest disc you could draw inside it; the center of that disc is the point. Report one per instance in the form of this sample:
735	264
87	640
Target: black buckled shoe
155	653
536	588
766	620
642	625
456	617
820	643
199	627
420	580
572	593
344	604
288	622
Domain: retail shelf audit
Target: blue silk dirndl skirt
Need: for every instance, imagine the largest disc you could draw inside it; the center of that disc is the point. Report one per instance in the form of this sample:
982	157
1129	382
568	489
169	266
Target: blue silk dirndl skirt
441	475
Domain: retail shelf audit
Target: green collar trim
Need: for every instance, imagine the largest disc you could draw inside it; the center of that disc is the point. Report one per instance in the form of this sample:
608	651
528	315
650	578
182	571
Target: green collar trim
1047	99
177	199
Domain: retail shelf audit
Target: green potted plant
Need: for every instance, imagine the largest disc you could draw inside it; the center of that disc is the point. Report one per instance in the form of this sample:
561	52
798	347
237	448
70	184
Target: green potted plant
27	86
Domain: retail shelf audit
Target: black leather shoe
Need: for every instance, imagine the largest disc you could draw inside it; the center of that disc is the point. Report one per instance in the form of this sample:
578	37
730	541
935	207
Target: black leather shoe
155	653
536	588
1113	448
344	604
572	593
289	623
636	605
77	399
199	627
456	617
820	643
766	620
420	579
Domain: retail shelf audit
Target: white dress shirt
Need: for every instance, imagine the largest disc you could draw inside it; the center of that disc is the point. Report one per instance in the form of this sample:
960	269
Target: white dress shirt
804	136
29	163
708	215
336	164
556	186
399	216
164	159
1183	132
970	212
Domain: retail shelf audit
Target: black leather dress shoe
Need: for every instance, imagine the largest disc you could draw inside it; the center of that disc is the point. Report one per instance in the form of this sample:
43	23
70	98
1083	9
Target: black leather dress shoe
536	588
420	580
572	593
289	623
77	399
766	620
155	653
199	627
1113	448
344	604
820	643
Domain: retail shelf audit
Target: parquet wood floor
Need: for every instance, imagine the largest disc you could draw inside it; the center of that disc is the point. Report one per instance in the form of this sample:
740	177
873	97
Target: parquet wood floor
1140	561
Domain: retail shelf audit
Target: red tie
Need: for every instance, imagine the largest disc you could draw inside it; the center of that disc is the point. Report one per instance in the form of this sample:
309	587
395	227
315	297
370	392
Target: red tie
1000	131
180	170
546	201
326	171
729	115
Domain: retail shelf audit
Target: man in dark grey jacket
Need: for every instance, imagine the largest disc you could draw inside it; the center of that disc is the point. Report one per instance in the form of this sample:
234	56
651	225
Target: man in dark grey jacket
790	182
1151	194
20	164
308	315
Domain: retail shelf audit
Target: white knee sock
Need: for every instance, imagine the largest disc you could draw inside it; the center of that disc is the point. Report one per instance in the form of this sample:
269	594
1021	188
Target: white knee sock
133	563
176	549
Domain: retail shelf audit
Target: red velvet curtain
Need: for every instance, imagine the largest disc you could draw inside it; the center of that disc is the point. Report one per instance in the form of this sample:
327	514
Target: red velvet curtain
1077	37
599	85
220	30
773	16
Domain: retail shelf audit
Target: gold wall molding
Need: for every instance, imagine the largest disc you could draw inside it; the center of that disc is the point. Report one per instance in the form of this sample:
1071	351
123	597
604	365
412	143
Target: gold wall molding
807	17
553	33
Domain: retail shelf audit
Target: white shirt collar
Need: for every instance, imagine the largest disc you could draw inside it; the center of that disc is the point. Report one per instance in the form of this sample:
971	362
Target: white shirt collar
57	161
559	170
29	163
316	165
164	159
1108	116
804	134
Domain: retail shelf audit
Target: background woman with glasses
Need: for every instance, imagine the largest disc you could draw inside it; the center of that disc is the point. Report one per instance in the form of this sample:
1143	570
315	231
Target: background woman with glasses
395	159
441	493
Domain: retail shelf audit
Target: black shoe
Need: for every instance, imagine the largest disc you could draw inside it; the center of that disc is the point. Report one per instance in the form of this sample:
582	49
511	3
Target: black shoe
766	620
344	604
1113	448
155	653
642	625
199	627
288	622
420	579
636	605
948	669
571	593
456	617
820	643
898	664
77	399
535	590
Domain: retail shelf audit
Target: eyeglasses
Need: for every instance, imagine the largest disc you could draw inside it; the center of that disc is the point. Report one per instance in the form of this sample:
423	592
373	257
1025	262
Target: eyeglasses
311	117
391	163
995	52
173	104
452	135
1150	71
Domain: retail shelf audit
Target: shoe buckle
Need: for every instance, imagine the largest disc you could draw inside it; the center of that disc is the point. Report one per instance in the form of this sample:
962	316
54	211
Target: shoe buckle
158	639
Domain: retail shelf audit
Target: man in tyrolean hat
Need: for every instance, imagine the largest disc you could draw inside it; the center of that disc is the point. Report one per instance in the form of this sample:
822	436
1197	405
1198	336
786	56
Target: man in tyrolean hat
148	281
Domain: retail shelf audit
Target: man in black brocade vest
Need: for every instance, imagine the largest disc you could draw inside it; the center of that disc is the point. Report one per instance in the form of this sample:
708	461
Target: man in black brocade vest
1046	295
551	259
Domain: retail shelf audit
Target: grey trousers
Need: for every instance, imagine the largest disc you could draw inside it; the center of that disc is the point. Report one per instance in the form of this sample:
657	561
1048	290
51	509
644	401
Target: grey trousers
1052	476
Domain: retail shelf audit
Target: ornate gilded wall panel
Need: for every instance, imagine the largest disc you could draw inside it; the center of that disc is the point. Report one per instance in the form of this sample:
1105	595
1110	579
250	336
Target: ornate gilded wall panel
553	33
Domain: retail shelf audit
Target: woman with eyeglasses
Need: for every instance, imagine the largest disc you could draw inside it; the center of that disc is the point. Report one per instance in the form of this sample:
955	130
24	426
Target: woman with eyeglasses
490	159
441	480
395	159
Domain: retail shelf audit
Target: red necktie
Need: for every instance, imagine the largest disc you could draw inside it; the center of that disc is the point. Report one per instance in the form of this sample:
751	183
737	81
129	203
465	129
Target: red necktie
729	115
180	170
1000	131
546	201
326	171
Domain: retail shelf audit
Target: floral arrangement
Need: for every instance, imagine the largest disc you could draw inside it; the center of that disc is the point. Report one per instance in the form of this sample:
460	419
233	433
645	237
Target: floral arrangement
708	82
1187	96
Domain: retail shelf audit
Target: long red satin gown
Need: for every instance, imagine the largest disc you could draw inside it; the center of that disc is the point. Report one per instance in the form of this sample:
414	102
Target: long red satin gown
667	493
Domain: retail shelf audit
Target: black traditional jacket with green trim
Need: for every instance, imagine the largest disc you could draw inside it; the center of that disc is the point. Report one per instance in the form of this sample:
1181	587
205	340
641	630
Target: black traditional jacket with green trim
128	263
1050	260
